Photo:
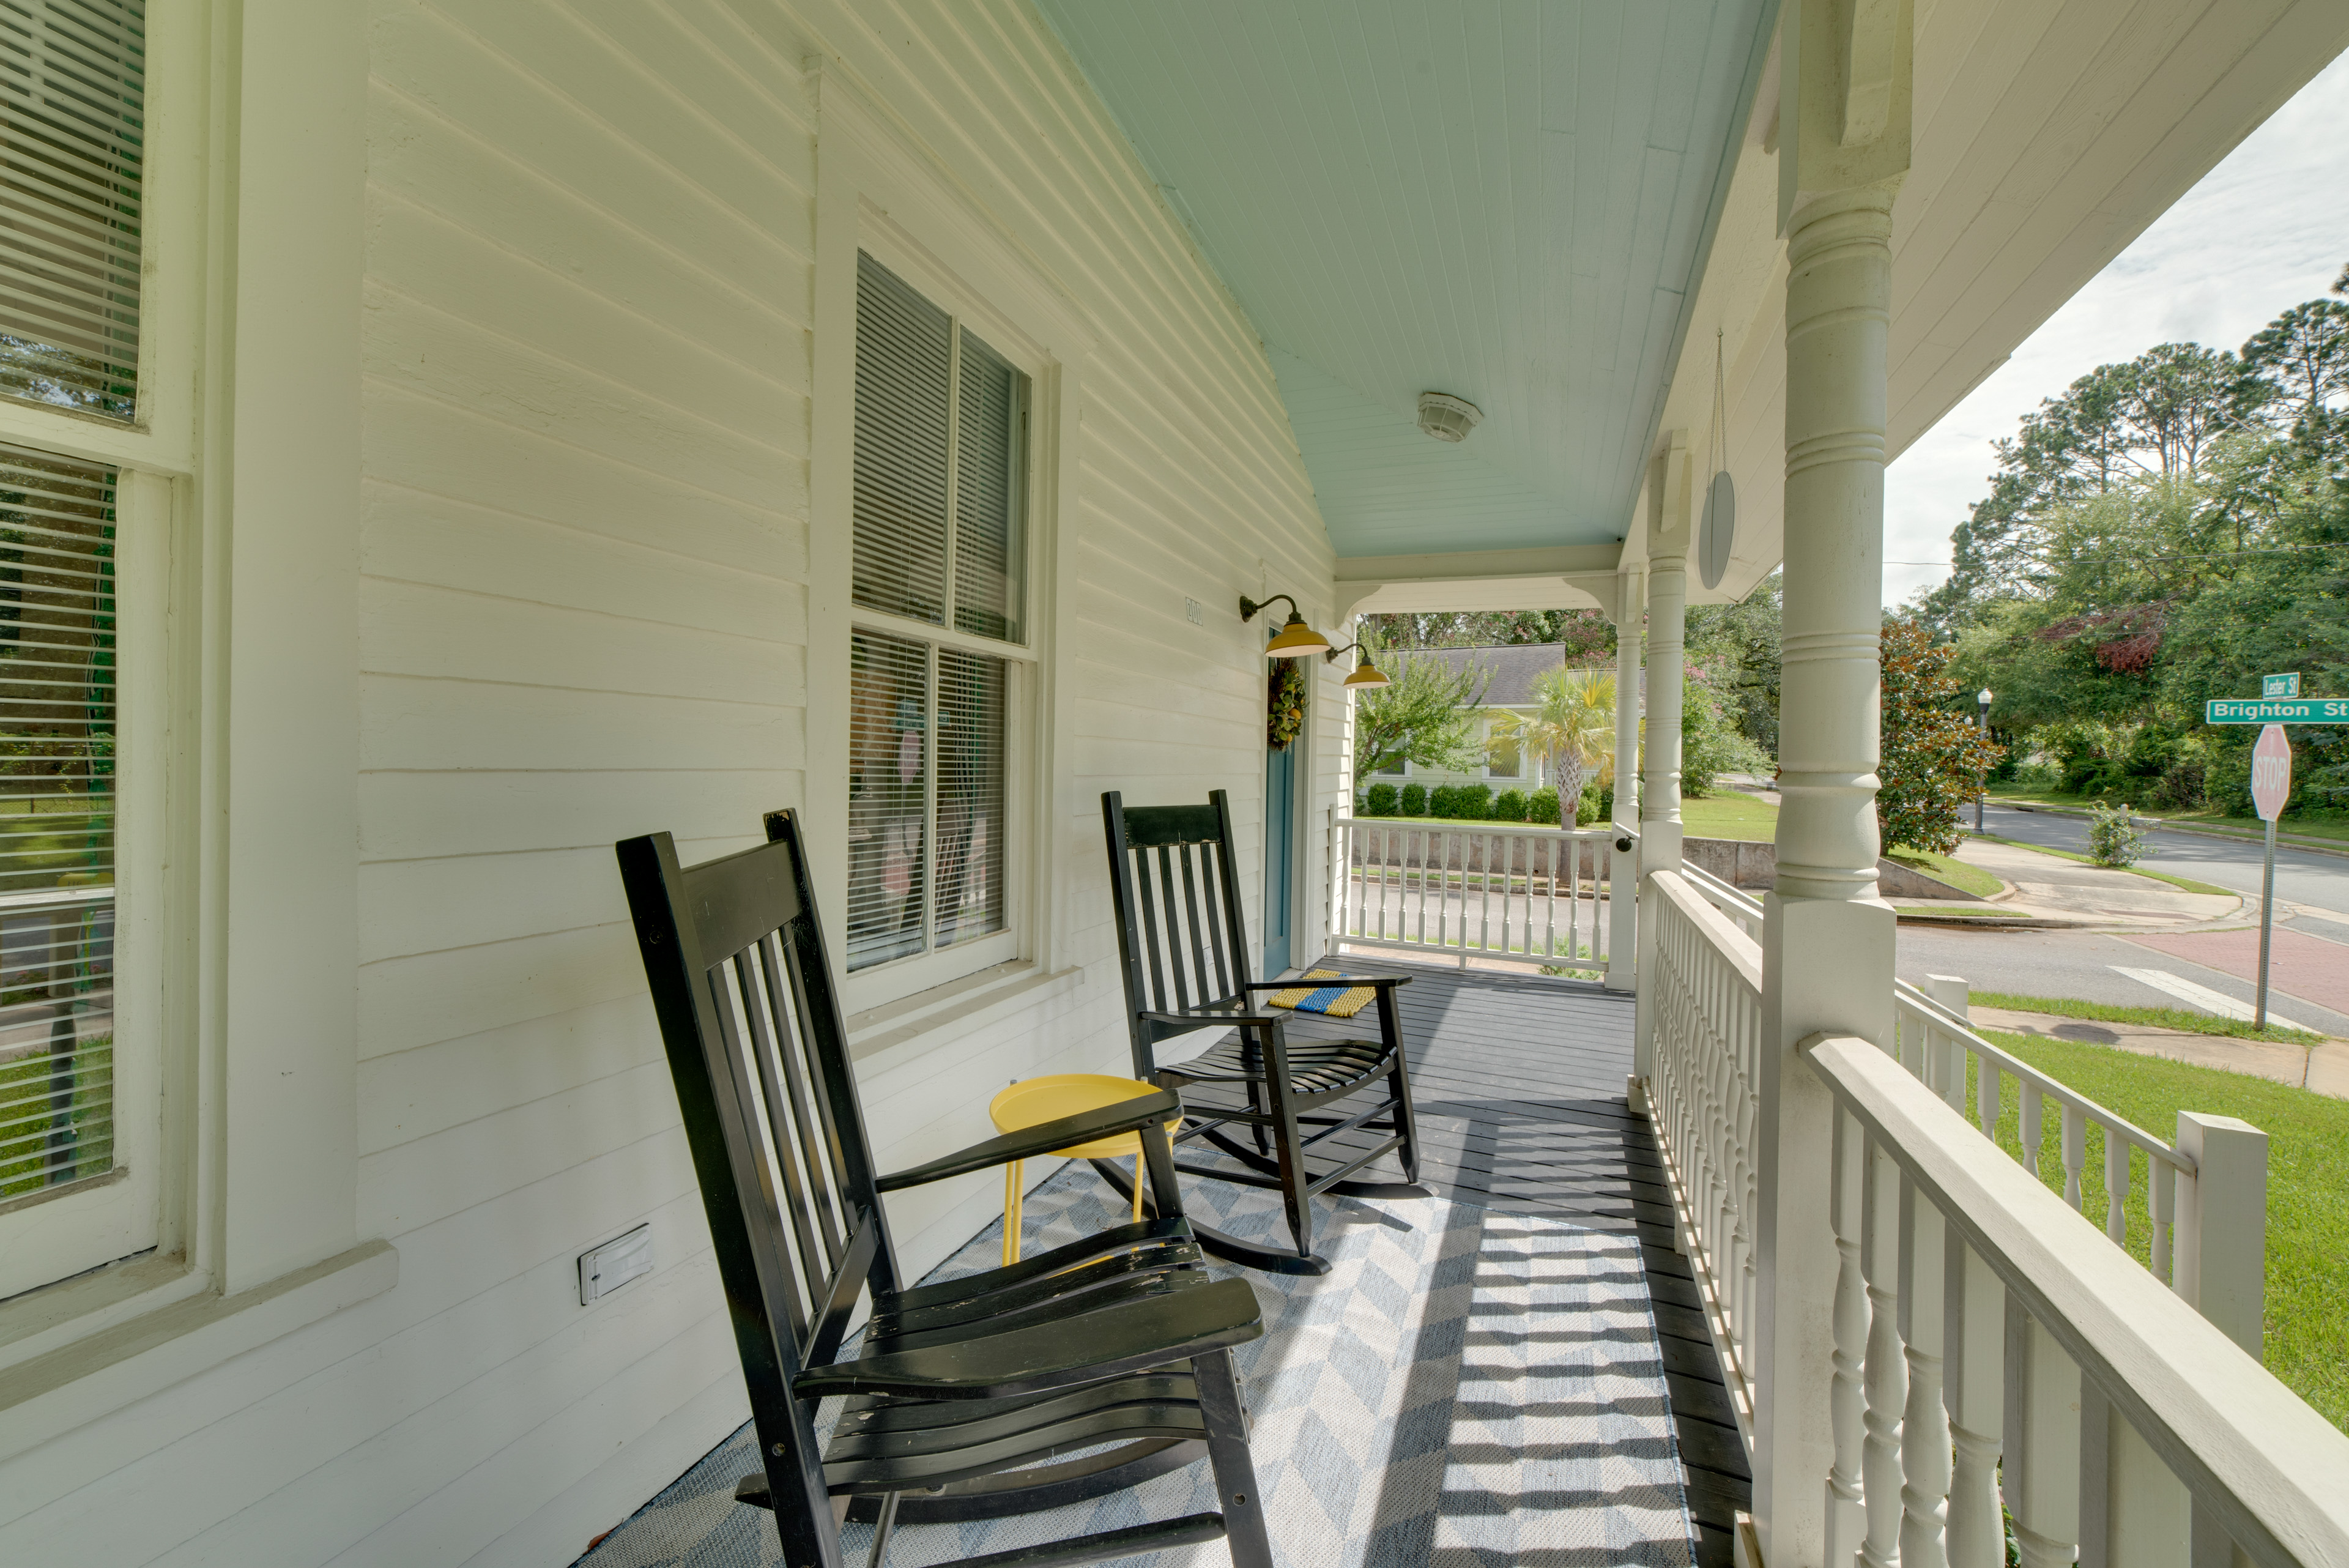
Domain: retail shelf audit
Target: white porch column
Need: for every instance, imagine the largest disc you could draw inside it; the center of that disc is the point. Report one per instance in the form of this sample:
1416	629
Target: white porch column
1660	790
1828	944
1668	547
1622	899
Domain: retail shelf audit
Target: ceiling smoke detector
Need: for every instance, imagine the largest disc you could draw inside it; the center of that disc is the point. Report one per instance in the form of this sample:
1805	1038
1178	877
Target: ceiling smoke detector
1447	417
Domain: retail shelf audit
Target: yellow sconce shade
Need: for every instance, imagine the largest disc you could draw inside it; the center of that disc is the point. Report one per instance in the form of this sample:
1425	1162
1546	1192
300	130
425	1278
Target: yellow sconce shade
1295	639
1366	674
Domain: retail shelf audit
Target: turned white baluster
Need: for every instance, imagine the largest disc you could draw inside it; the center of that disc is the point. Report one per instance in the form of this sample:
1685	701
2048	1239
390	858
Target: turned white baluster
2116	1187
2043	1465
1974	1336
2075	1152
2028	1129
1925	1434
1886	1378
1848	1401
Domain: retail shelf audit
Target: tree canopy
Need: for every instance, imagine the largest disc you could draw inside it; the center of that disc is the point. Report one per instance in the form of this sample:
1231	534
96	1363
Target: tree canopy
1425	714
2166	531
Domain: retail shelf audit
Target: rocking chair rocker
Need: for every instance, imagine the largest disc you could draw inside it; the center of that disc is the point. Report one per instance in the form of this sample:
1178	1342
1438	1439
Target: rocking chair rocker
1200	942
963	1393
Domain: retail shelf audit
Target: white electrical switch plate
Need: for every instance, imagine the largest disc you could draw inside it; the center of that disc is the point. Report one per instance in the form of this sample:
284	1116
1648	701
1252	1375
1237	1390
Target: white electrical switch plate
606	1269
1194	612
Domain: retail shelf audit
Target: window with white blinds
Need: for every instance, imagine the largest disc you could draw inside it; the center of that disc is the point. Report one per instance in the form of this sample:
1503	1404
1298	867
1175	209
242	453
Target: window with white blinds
58	669
939	509
72	105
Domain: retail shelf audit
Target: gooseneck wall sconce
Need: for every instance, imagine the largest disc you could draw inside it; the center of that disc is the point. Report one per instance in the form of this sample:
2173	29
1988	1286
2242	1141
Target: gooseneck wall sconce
1295	639
1366	674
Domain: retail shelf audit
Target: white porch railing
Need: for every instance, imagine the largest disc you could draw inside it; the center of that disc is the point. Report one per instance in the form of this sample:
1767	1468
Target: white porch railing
1743	909
1973	1308
1987	1348
1970	1075
1938	1046
1534	894
1703	1094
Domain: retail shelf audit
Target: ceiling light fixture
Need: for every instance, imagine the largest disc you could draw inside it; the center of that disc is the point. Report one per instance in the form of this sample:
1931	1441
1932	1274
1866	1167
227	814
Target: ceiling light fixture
1447	417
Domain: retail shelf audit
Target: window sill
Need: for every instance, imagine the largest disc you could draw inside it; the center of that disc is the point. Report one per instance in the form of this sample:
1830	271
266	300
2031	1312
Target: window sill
926	1020
95	1346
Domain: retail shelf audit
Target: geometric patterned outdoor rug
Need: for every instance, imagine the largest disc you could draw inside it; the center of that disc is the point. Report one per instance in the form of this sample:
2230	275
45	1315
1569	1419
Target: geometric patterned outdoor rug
1464	1388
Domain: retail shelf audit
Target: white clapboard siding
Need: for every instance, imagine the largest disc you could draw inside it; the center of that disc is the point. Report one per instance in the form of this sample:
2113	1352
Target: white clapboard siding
583	612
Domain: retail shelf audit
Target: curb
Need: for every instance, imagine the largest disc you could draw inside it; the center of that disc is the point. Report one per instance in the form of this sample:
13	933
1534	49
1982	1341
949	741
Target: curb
2283	840
1990	922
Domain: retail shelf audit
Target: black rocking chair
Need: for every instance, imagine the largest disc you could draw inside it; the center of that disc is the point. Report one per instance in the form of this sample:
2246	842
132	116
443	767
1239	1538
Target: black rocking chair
1115	1348
1291	1084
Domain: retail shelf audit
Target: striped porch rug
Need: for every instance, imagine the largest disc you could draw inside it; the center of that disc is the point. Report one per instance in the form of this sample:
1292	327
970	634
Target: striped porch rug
1464	1388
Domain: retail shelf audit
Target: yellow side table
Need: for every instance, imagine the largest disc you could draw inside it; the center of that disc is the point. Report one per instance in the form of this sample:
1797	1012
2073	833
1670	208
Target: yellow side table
1033	1101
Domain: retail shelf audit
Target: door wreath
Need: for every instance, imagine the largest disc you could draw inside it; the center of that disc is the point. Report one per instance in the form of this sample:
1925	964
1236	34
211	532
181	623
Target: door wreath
1285	702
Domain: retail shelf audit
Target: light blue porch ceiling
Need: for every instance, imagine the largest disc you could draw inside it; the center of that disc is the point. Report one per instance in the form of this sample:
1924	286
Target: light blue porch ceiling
1509	202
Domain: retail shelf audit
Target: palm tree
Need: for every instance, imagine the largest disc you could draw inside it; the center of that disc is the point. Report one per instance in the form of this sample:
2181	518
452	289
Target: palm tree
1572	724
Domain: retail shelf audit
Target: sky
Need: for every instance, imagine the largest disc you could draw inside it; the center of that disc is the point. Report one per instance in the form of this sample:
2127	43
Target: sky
2266	229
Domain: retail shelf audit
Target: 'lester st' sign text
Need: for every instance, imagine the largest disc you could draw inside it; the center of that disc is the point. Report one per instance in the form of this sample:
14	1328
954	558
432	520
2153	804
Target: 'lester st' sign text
2270	711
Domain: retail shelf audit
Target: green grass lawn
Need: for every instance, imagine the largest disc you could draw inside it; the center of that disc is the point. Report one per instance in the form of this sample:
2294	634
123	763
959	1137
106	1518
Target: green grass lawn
2152	1017
1957	873
2186	884
1730	814
2308	1188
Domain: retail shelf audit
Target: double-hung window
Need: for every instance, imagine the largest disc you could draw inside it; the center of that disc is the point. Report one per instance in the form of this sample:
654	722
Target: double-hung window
938	656
1503	758
75	1114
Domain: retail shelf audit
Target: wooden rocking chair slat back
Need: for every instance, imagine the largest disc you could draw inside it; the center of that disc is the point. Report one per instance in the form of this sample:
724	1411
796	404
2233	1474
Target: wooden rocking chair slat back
1174	869
758	1052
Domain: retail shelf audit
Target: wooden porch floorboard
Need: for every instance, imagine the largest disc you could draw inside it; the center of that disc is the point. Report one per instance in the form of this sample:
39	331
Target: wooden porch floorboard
1519	1083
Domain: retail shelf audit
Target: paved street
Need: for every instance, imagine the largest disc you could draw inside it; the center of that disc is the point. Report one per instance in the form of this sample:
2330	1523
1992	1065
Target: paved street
2312	958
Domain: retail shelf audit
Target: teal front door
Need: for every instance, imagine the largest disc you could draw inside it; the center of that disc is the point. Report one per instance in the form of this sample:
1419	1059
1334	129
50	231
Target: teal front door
1279	820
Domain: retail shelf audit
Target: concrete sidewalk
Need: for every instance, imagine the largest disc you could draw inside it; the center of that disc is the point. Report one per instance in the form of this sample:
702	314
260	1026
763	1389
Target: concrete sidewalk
2323	1068
2049	887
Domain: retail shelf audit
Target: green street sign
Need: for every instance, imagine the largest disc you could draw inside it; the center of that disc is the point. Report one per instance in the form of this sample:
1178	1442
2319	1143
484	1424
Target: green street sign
2262	711
2280	685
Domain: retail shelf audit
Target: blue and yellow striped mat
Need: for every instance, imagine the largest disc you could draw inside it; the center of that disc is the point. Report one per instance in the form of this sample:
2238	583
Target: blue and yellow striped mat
1336	1000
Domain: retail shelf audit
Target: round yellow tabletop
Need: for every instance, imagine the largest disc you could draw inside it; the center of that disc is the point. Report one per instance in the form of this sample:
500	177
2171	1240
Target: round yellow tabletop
1033	1101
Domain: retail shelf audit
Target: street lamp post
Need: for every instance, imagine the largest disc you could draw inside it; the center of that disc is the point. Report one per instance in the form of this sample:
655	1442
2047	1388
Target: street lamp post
1981	795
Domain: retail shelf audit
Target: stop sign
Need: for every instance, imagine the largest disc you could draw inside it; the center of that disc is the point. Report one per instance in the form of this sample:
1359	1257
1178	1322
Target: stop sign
2271	773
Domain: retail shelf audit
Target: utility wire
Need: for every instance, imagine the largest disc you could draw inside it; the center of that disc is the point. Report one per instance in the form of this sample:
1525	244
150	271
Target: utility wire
2217	556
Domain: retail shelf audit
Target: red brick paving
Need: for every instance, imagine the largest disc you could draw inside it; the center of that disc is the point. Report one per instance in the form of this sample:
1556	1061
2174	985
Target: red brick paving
2309	968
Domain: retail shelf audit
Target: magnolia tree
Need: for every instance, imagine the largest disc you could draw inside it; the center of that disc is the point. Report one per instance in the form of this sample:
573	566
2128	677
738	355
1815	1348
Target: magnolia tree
1934	759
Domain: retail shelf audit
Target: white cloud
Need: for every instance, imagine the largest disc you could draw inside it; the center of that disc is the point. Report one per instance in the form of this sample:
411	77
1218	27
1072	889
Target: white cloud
2266	229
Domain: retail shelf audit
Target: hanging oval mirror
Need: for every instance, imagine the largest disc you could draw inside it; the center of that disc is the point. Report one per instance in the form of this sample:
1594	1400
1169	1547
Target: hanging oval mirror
1718	530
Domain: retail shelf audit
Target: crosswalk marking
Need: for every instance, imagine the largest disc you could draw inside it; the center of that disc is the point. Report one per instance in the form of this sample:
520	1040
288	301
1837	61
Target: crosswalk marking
2203	997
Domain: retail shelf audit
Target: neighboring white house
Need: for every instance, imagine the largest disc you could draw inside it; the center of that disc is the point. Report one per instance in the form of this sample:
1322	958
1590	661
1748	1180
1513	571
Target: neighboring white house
1510	670
468	432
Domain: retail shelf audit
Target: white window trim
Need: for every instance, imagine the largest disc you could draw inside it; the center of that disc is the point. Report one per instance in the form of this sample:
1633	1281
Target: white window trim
243	890
877	191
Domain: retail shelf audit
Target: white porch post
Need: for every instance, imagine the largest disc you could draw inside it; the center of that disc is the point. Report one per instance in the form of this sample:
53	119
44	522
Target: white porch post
1668	547
1622	898
1827	945
1660	788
